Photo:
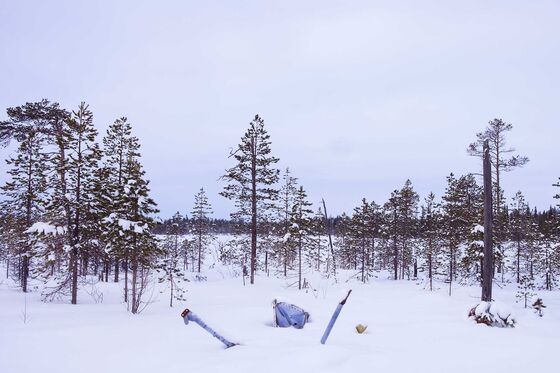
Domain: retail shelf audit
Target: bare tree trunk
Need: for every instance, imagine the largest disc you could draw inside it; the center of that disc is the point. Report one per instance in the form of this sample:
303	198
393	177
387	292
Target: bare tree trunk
373	253
363	261
116	278
285	260
299	263
171	297
134	295
319	254
488	253
430	270
450	276
518	259
126	276
266	262
330	239
24	273
74	268
199	248
395	258
107	269
29	201
75	239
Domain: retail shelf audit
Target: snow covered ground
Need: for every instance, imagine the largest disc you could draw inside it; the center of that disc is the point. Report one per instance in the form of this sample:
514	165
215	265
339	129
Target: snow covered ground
409	330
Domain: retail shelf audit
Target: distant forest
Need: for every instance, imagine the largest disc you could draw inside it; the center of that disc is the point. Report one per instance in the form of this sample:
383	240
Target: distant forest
76	206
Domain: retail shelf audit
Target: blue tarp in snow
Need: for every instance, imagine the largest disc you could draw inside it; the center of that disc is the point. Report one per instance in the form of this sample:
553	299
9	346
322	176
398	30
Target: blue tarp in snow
286	314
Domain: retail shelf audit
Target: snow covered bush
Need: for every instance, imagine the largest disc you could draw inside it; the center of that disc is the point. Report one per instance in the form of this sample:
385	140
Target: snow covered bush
492	314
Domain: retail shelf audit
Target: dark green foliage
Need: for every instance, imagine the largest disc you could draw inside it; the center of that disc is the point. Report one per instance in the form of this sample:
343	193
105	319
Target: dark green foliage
462	212
25	198
284	251
301	227
400	217
363	229
251	183
525	290
538	306
169	268
430	228
201	227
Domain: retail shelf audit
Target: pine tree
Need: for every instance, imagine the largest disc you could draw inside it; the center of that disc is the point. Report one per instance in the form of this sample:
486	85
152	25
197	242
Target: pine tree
169	267
234	252
40	117
495	133
392	231
143	251
462	208
518	229
548	253
318	252
201	225
251	180
57	212
408	210
25	196
473	254
430	228
533	253
400	217
119	146
83	156
31	125
285	203
360	233
501	162
301	227
525	289
268	241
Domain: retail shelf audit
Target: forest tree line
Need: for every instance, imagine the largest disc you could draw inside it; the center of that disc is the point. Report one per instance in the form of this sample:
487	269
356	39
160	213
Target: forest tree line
75	208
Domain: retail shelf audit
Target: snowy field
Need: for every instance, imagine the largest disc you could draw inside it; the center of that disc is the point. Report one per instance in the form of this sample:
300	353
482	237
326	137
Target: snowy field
409	330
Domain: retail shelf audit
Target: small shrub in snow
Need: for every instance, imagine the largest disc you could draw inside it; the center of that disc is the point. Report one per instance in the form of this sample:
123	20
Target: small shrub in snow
492	314
538	306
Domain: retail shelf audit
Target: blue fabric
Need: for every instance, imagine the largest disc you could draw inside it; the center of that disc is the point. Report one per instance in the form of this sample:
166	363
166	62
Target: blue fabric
290	315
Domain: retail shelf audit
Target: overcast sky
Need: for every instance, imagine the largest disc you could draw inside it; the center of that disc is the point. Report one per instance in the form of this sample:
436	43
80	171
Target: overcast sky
357	96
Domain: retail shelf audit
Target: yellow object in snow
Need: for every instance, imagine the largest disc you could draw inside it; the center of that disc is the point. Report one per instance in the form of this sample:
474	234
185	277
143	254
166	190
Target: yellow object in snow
361	328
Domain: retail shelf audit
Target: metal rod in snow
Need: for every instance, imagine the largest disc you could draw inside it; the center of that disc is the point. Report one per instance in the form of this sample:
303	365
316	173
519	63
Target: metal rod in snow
187	316
334	317
330	238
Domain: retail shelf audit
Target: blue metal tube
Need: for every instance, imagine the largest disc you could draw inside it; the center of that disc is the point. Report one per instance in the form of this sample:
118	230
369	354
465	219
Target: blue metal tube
189	316
333	318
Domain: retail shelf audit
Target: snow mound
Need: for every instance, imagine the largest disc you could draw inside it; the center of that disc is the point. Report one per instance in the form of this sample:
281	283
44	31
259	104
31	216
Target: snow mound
492	314
45	228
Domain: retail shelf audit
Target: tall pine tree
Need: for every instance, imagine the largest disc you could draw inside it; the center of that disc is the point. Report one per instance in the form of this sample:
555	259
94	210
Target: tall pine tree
201	226
251	181
83	157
